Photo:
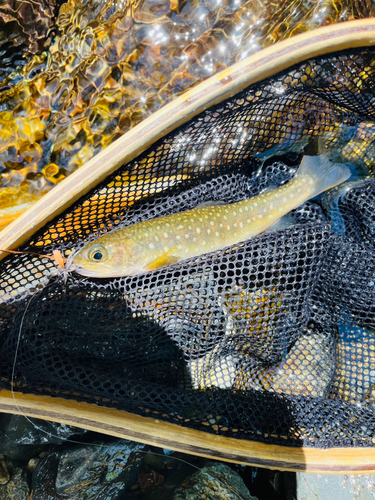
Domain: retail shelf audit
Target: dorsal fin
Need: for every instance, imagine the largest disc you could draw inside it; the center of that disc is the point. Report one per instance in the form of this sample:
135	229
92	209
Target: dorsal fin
271	187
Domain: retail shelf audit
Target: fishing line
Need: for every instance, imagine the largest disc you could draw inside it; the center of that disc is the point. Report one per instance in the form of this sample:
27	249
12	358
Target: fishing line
98	446
56	255
12	382
64	271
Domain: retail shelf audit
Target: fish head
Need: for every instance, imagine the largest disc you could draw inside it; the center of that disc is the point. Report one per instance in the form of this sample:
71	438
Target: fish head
110	257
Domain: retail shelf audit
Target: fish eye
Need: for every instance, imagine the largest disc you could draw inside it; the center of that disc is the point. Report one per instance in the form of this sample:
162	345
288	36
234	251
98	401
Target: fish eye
97	254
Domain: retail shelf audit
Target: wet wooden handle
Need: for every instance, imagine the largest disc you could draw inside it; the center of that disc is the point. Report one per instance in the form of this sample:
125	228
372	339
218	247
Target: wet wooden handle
174	437
219	87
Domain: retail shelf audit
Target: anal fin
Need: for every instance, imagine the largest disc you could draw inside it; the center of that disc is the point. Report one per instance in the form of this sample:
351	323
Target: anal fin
283	223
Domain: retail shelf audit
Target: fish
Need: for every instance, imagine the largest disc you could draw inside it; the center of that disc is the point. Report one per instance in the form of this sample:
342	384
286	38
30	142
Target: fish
152	244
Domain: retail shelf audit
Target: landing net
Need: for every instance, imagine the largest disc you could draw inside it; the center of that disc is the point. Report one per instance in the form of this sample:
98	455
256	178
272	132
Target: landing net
270	340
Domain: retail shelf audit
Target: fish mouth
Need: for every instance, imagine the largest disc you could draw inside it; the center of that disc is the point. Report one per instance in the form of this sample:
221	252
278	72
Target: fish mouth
90	274
94	274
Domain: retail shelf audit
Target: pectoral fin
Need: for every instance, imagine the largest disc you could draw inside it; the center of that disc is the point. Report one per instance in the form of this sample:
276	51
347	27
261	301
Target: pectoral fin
164	260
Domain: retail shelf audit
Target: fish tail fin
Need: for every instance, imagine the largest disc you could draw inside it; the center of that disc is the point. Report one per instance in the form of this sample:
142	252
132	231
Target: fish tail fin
324	173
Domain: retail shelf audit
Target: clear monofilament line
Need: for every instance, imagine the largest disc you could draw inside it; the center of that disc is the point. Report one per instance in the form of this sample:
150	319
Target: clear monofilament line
12	382
74	441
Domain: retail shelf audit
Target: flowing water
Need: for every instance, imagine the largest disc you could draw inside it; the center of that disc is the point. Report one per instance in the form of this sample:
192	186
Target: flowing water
75	76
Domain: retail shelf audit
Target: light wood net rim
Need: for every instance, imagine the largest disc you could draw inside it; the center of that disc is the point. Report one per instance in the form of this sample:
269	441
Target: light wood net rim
163	434
119	423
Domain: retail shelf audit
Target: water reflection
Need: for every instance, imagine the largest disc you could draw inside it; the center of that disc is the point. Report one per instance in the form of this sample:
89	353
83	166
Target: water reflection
109	64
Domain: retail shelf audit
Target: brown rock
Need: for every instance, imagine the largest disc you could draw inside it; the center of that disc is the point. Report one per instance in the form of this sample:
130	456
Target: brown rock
4	474
149	481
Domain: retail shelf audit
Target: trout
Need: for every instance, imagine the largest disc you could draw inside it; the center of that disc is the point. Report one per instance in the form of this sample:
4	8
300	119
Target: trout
155	243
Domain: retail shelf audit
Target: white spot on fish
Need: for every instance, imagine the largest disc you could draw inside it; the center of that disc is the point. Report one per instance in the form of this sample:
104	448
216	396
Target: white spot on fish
255	204
234	213
285	198
166	249
165	235
221	224
271	205
158	228
228	226
260	216
208	231
217	233
211	223
179	246
198	230
187	236
178	237
156	238
246	208
180	226
151	245
194	239
241	210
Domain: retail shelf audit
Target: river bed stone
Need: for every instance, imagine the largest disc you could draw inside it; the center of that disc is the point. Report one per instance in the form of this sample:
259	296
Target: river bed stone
216	481
93	471
17	488
22	438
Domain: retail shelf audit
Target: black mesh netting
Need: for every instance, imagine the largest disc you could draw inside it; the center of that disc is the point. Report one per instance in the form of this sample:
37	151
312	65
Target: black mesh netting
271	339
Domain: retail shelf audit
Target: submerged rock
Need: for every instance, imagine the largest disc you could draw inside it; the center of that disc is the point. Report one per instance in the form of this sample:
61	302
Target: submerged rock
17	488
216	481
327	487
149	481
22	438
273	484
162	474
44	477
96	471
4	474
